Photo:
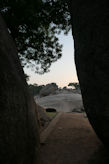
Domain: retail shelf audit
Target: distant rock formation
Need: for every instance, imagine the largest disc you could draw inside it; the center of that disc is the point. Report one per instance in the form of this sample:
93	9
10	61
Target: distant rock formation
48	89
62	102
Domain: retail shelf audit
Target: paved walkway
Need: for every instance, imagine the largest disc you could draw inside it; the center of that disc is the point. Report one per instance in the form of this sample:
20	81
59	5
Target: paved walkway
73	141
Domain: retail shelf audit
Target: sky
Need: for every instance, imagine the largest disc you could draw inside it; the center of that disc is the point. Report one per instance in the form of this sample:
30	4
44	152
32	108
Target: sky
62	72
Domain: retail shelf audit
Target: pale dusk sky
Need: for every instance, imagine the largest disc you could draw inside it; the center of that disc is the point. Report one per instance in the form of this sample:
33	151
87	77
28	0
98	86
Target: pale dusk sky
61	72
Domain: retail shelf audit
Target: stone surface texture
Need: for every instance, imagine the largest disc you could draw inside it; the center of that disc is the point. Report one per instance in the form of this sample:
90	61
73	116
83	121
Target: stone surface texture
90	28
19	136
48	89
62	102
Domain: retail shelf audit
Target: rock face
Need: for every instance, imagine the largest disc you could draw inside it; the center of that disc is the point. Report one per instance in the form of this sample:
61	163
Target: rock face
19	136
90	23
63	102
48	89
43	117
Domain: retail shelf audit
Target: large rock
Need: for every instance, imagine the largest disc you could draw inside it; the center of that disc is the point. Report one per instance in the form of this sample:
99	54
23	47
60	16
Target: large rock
48	89
43	117
90	27
62	102
19	132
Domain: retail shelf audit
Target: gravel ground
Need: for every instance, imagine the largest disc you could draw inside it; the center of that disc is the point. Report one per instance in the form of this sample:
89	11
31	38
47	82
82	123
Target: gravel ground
73	141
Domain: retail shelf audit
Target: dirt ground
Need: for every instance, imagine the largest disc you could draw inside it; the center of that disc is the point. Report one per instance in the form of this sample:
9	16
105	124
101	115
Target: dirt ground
73	141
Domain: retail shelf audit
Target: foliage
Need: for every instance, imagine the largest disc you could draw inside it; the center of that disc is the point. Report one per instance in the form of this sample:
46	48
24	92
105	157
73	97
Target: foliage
35	88
51	114
75	85
35	25
26	77
64	87
52	84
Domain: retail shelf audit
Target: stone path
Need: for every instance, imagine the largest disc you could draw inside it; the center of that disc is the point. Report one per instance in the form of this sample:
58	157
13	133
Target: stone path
73	141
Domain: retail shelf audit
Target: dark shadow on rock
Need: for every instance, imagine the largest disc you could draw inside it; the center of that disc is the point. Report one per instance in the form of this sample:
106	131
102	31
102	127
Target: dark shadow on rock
101	156
50	110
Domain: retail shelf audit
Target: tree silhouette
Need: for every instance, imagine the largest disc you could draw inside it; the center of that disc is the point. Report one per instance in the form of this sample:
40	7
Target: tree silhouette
35	25
75	85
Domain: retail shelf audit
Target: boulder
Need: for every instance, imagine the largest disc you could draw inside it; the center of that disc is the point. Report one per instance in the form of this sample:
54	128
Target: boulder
19	131
48	89
90	28
62	102
43	117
